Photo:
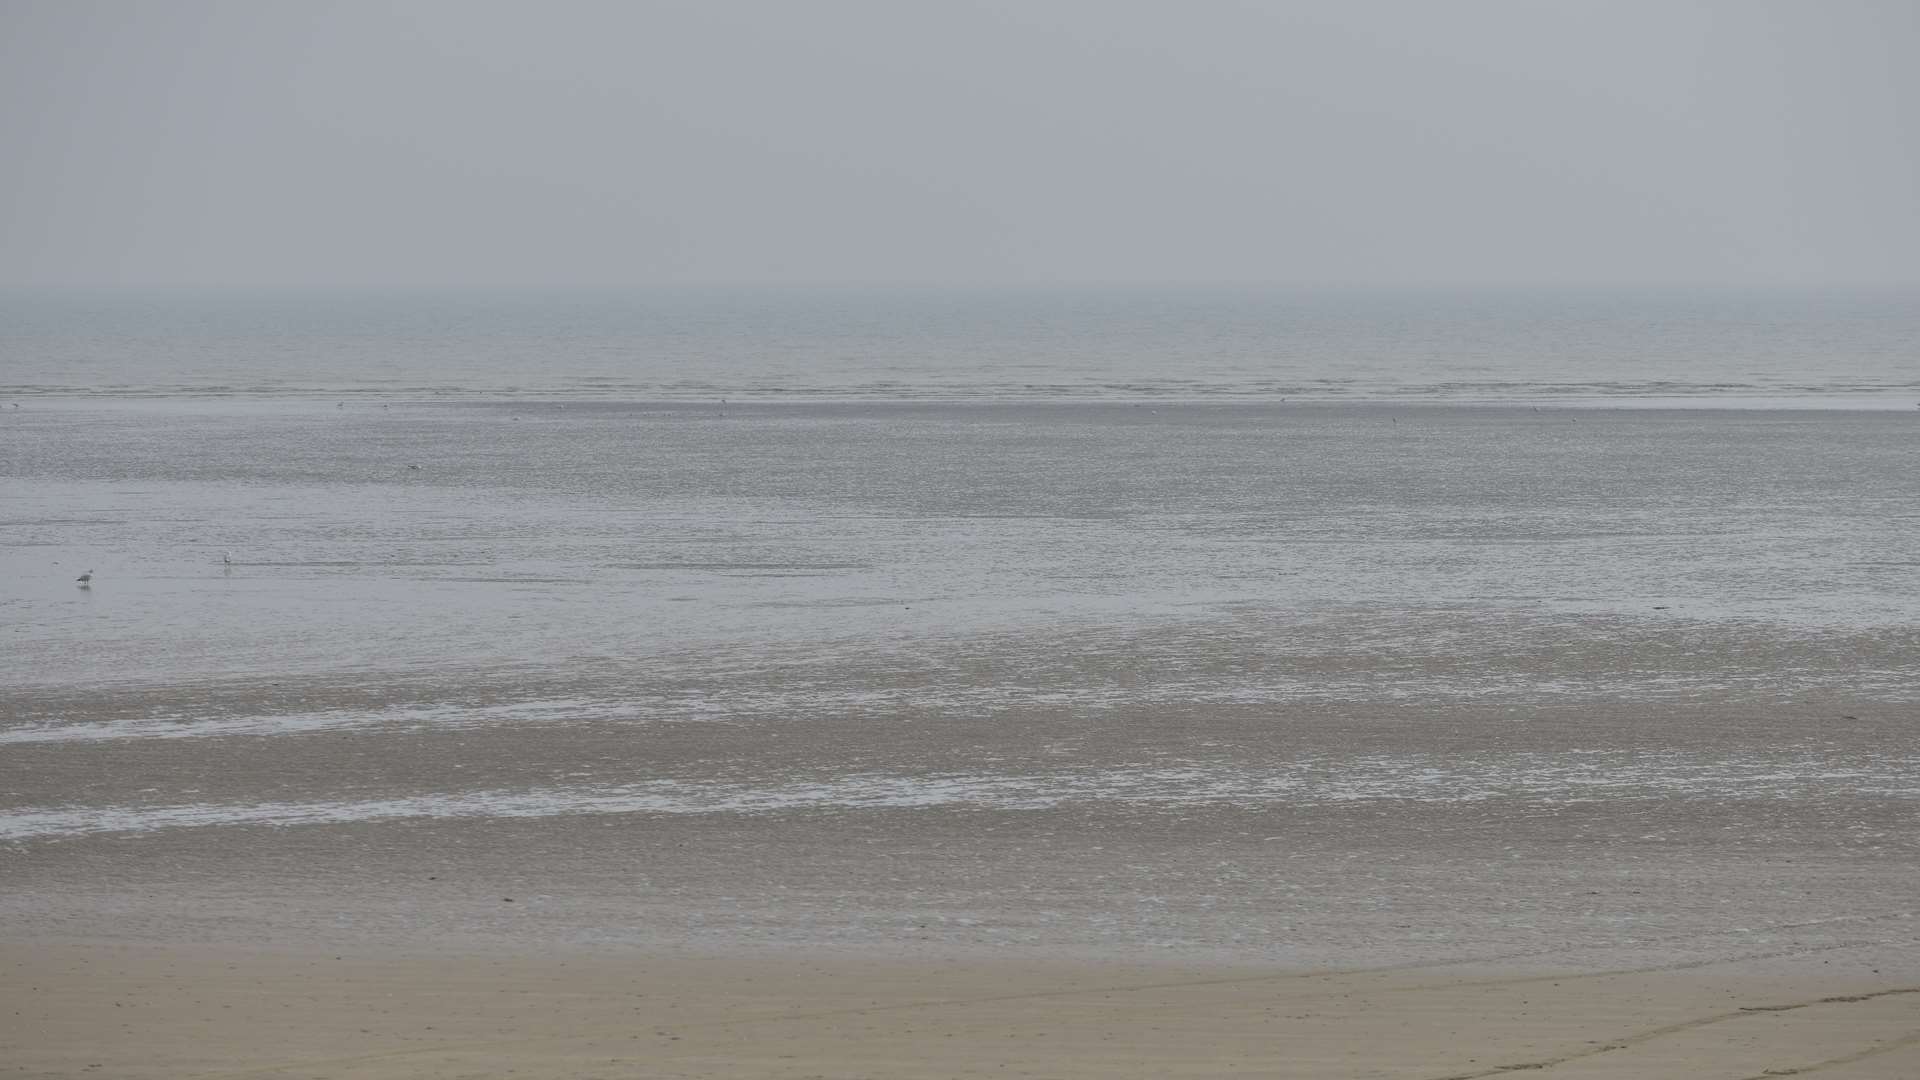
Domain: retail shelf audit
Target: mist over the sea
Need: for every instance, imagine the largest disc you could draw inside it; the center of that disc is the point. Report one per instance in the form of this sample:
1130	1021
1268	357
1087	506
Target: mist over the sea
982	142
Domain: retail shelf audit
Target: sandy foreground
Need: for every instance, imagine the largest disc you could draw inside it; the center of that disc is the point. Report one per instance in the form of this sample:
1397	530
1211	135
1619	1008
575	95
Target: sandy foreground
117	1010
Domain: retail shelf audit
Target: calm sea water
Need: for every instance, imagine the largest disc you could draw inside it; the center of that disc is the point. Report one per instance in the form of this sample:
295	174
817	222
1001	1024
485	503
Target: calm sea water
1346	562
1746	348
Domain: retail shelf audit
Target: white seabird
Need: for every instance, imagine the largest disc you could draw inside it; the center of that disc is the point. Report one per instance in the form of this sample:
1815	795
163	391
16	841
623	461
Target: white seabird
86	578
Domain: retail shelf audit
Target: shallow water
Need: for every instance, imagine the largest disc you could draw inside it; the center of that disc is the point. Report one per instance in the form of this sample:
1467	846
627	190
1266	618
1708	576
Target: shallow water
1167	673
519	566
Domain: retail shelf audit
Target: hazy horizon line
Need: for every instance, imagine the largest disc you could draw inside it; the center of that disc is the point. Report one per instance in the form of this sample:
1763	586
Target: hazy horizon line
1431	288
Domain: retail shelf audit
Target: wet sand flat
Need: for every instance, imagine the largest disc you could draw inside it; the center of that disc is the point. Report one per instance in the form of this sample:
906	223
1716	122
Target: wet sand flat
81	1010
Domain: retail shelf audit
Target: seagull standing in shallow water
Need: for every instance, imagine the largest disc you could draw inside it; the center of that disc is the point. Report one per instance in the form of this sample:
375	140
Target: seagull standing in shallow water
86	578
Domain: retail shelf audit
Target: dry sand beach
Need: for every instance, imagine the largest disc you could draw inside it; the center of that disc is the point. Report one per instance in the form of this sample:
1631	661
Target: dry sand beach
209	1011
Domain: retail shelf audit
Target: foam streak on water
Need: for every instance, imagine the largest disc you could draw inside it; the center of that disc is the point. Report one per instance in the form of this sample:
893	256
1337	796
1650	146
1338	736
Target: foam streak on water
1544	780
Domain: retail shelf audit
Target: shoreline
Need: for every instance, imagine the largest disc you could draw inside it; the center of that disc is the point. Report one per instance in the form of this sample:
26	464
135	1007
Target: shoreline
324	401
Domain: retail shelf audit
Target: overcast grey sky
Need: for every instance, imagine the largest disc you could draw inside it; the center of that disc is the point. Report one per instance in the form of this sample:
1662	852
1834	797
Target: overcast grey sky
1018	142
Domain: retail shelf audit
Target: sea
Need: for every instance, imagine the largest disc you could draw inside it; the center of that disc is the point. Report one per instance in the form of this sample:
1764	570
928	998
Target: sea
1305	627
